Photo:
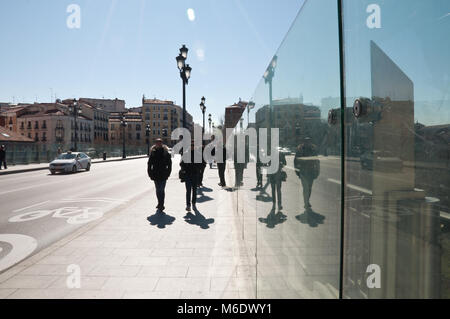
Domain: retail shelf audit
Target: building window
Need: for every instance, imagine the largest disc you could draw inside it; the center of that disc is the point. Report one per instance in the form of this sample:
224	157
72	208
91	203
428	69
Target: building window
44	136
138	127
138	136
36	124
44	124
22	125
36	137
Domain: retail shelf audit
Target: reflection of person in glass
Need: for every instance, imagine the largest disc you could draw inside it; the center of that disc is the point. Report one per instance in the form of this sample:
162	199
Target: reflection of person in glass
259	165
275	181
307	169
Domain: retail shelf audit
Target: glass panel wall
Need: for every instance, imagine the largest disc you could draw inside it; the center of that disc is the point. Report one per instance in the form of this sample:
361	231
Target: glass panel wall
394	181
397	149
290	205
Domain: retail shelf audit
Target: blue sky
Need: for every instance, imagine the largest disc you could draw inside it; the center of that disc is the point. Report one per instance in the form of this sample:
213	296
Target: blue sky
127	48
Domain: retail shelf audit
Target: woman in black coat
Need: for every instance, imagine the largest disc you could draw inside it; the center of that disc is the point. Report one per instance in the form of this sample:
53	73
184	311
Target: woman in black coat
192	172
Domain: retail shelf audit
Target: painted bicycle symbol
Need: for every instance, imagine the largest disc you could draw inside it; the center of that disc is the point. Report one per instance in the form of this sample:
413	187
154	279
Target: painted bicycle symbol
74	215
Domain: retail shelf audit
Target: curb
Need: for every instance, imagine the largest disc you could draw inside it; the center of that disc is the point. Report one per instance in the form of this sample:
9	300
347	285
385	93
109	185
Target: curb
46	167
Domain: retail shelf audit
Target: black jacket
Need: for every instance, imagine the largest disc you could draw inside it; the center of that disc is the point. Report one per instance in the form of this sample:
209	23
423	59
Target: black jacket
159	164
2	154
192	168
224	154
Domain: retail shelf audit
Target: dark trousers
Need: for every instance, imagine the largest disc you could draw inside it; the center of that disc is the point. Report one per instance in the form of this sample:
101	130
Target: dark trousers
191	188
276	192
201	175
239	173
160	193
258	174
3	161
307	184
221	168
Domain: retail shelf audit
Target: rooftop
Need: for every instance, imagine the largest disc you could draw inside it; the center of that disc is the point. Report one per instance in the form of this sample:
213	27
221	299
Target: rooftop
8	136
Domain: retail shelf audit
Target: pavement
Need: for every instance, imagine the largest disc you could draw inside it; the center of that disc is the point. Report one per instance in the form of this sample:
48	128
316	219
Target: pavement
134	252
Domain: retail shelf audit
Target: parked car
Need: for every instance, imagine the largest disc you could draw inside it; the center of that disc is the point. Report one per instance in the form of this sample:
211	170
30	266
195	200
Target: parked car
380	160
70	162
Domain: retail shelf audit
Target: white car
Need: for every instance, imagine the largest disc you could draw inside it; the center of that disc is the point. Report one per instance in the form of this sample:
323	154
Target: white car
70	162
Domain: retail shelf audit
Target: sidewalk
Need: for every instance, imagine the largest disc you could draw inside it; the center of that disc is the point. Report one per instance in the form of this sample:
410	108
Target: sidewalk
13	169
134	253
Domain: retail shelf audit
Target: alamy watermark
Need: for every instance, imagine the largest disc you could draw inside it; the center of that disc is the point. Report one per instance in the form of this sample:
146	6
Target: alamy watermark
246	146
374	279
374	19
74	19
74	279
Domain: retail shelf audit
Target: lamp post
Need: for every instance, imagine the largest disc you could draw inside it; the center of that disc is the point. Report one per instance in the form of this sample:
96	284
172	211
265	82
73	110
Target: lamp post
209	120
203	108
75	111
123	124
250	106
185	74
147	134
268	76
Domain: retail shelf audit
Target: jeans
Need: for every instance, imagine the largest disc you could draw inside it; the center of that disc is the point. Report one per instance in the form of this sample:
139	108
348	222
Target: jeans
4	164
191	186
307	184
160	194
276	192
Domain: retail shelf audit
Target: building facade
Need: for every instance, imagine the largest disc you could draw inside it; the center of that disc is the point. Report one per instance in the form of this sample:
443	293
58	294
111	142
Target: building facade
163	117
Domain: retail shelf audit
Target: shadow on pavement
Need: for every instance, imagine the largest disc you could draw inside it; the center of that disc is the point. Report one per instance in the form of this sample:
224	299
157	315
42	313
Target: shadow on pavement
160	219
205	189
273	219
311	218
198	219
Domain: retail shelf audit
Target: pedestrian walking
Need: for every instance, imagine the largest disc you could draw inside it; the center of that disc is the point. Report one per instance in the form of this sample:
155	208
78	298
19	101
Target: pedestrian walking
159	167
240	166
202	170
259	165
221	165
307	169
276	180
3	157
191	175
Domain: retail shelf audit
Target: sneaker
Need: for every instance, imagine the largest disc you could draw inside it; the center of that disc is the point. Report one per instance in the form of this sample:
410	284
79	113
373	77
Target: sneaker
188	208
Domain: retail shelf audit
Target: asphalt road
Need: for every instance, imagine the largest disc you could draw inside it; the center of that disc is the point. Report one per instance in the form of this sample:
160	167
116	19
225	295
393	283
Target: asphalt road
37	208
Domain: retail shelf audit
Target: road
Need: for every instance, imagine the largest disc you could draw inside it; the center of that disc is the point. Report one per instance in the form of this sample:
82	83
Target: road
37	208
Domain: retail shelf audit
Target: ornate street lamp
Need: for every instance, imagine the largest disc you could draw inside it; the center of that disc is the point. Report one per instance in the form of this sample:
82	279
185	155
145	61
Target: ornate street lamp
123	124
250	106
209	120
203	108
75	110
185	74
147	134
268	76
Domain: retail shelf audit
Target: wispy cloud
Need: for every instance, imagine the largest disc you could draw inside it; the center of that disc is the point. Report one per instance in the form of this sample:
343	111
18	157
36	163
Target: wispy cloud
444	16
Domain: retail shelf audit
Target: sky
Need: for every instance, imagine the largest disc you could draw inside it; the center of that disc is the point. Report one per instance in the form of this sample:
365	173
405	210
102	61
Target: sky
125	49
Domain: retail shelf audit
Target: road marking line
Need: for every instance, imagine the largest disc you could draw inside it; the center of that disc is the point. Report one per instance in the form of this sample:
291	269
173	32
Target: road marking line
364	190
21	209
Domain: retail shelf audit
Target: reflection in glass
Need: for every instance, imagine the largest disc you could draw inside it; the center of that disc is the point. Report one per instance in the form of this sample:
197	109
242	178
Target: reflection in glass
397	162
